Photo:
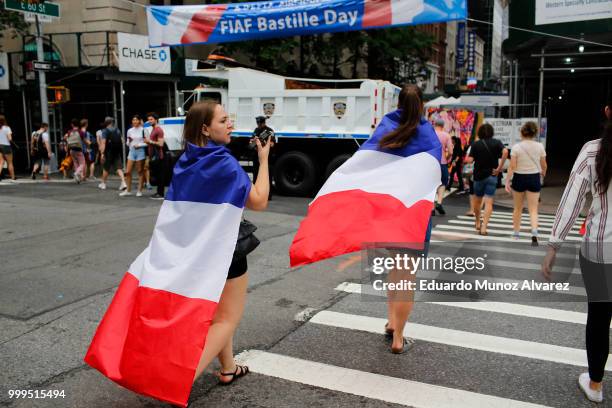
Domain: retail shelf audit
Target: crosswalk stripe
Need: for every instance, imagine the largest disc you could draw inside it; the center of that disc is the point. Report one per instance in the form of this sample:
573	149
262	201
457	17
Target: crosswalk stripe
504	249
510	227
509	221
525	216
515	309
459	338
375	386
497	231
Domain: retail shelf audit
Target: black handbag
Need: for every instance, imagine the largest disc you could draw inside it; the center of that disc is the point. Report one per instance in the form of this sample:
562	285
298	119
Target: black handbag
247	241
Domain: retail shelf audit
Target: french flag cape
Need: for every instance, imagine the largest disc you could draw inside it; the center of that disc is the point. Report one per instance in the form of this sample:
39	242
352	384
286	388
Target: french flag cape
154	331
376	196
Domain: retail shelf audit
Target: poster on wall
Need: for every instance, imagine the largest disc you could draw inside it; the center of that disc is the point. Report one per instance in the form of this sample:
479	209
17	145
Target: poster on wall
563	11
4	71
457	122
508	131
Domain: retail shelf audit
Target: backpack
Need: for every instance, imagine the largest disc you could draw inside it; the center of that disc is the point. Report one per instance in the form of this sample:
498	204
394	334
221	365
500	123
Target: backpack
74	140
114	137
40	144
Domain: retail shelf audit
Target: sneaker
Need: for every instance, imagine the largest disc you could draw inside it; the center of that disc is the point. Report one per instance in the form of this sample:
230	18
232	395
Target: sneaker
157	197
33	176
534	241
584	383
440	209
46	178
102	186
148	186
139	194
125	193
515	236
123	186
77	178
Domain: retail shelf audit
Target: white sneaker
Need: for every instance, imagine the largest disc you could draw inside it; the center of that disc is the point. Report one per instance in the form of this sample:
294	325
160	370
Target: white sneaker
583	382
123	186
125	193
139	194
102	186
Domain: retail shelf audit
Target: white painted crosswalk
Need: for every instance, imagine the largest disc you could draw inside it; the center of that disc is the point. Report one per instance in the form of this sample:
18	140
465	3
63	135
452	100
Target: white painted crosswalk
517	349
500	228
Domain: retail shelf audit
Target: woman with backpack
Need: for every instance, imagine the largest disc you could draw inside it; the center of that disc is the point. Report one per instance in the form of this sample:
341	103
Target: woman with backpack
75	140
41	151
527	167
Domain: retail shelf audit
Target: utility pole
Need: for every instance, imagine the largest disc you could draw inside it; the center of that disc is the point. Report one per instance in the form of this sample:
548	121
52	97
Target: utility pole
42	77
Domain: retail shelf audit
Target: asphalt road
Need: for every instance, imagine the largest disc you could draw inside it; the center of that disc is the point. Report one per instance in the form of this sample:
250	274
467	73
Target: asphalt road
309	337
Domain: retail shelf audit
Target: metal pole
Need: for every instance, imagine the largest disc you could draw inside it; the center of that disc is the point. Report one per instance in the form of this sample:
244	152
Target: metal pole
42	78
516	86
25	120
175	107
169	100
510	92
56	132
115	111
122	118
541	94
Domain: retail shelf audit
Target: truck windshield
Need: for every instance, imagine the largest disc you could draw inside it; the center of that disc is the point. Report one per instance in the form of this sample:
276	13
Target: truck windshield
210	96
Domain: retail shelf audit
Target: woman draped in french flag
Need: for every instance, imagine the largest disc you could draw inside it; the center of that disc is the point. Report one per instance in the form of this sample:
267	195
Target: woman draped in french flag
383	194
181	300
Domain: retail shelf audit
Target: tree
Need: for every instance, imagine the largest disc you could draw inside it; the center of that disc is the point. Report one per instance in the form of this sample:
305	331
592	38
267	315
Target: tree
12	22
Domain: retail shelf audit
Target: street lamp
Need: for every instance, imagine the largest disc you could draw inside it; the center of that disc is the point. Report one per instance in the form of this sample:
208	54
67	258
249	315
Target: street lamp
581	48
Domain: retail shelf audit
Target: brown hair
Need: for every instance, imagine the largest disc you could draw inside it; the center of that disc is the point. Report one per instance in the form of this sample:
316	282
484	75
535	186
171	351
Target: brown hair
603	160
529	130
84	122
411	104
199	114
485	131
2	120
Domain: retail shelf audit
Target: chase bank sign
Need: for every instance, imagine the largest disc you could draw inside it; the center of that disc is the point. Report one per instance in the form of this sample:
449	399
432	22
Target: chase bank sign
135	55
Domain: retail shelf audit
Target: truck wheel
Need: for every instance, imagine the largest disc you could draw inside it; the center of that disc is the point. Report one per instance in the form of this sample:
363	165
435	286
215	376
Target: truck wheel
295	174
335	163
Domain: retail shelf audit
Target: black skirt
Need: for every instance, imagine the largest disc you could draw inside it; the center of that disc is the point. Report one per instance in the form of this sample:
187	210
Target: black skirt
237	268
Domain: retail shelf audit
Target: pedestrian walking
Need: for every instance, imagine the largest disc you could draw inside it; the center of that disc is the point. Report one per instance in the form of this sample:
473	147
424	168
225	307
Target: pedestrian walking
160	160
486	154
6	151
456	162
525	173
136	156
591	173
88	150
41	151
447	151
75	139
111	153
190	283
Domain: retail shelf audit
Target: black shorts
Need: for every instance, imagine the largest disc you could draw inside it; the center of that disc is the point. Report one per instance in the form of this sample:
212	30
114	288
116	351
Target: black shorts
113	161
6	149
237	268
526	182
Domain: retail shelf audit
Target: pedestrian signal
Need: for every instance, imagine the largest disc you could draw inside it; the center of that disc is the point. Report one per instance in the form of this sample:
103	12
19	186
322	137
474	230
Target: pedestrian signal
58	94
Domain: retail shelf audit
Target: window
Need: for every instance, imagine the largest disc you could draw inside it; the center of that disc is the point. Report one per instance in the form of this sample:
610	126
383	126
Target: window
157	2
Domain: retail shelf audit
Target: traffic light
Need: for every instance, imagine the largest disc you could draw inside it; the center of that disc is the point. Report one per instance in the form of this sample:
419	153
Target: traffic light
58	94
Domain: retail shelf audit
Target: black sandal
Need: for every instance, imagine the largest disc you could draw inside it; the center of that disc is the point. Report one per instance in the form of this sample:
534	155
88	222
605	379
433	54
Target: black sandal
241	371
406	346
388	332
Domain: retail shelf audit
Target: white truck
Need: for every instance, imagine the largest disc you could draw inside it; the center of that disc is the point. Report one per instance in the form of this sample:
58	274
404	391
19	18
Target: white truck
318	123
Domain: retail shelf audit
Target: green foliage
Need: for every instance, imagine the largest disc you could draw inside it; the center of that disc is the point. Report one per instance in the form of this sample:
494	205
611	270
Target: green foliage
12	20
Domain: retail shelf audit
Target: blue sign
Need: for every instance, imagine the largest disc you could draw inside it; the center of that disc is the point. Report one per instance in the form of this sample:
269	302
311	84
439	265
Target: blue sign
218	23
460	61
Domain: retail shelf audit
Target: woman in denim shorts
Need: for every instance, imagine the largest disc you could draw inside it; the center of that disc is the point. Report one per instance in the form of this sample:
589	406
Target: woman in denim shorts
136	155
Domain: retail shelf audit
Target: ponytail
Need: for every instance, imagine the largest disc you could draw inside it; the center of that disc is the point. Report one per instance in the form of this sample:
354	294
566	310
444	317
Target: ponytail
603	160
411	104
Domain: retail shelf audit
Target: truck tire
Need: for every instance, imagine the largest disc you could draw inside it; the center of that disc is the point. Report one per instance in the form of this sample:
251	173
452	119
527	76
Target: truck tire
335	163
295	174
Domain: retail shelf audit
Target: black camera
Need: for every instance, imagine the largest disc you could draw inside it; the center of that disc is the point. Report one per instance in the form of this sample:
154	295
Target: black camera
263	137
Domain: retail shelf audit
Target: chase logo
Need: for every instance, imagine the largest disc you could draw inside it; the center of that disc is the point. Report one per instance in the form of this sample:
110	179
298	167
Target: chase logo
2	71
163	56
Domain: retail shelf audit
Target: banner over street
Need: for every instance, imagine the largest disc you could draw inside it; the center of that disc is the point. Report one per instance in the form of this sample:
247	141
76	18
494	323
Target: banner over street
218	23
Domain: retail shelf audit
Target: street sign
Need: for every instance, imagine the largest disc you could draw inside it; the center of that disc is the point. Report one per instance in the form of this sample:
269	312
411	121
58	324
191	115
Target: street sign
31	18
42	65
33	6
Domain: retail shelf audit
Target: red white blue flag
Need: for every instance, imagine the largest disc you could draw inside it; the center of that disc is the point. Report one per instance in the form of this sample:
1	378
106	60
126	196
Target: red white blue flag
377	196
154	331
219	23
